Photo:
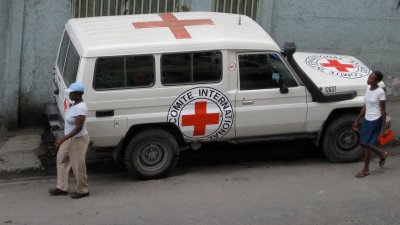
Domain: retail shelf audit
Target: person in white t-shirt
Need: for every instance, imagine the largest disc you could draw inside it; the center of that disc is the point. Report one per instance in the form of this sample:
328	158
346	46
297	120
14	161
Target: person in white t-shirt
73	146
374	122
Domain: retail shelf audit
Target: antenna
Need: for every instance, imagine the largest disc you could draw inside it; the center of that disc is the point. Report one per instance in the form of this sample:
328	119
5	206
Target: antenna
240	18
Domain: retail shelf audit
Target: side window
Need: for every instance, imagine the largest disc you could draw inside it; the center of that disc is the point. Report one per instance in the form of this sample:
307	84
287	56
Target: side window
124	72
140	71
189	68
176	68
109	73
263	71
207	66
71	65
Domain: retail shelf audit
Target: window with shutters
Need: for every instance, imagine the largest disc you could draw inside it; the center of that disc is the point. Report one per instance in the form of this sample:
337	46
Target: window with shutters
90	8
249	8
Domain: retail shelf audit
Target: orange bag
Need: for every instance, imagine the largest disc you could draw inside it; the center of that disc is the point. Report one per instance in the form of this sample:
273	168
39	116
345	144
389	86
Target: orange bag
384	139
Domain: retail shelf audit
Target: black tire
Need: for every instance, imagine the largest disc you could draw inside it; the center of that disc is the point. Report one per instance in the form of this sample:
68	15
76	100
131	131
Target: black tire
151	154
340	143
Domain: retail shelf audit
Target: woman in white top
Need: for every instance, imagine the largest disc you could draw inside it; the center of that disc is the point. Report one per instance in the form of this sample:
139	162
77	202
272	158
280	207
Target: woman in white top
73	146
374	122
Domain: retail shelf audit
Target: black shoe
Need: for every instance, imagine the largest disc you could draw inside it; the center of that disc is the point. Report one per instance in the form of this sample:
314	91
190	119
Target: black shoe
56	191
76	195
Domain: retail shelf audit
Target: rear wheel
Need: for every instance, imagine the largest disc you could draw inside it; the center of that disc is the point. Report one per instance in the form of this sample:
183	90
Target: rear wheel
340	143
151	154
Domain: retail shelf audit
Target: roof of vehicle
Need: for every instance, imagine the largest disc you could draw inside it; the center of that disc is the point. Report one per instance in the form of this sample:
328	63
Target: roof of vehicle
168	32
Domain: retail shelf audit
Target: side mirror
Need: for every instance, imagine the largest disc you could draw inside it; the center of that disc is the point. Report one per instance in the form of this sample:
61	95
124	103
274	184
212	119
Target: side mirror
289	48
282	86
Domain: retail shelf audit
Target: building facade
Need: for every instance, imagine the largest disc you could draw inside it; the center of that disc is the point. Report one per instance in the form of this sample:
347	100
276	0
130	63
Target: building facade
30	32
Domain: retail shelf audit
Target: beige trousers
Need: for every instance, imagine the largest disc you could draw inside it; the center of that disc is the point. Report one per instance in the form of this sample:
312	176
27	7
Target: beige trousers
72	154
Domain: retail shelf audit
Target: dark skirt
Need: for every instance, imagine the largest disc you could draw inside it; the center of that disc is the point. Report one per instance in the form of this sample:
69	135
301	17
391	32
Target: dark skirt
370	131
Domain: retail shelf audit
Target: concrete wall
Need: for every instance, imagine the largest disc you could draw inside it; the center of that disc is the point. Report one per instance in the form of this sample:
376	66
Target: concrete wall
366	29
13	22
30	31
43	25
3	38
29	36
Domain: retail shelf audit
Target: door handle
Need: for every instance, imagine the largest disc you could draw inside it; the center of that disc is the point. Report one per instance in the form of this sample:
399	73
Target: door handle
104	113
247	102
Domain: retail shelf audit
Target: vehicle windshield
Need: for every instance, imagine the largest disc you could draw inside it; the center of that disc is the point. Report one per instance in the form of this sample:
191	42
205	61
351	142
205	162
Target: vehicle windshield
68	60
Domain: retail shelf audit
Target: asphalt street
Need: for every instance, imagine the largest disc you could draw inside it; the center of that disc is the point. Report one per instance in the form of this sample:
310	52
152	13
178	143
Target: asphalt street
280	183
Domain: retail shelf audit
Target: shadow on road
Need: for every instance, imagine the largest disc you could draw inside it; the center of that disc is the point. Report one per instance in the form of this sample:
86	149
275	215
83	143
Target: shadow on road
222	154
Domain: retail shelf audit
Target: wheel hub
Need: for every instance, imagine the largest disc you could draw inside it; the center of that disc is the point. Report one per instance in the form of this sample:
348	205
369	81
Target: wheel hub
152	157
347	140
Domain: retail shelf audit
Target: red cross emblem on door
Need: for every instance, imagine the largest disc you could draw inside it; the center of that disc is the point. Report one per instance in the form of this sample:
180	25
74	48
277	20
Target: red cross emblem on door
176	26
339	66
200	119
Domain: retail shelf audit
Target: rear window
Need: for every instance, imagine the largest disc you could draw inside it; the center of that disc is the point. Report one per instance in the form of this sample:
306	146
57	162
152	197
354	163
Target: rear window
193	67
68	60
63	52
124	72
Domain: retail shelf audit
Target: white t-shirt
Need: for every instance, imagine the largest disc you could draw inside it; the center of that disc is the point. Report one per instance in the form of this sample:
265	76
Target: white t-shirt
372	105
70	114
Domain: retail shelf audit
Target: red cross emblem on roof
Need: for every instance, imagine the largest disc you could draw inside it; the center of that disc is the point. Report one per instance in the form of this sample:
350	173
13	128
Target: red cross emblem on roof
176	26
200	119
339	66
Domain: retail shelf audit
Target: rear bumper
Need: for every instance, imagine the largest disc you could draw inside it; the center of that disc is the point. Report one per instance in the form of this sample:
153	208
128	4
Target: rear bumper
55	119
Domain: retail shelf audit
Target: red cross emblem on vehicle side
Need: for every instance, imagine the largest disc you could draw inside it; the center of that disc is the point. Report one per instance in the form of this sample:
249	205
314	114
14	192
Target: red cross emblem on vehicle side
202	113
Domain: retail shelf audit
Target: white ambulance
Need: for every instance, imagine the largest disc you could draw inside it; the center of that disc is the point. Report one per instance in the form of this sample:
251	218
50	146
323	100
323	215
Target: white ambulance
156	84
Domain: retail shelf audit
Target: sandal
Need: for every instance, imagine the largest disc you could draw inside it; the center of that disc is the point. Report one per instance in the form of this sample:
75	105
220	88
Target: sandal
382	161
362	174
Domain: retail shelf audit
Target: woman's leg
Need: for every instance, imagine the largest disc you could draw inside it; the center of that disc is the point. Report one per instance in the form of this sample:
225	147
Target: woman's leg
78	162
63	165
381	154
374	138
367	158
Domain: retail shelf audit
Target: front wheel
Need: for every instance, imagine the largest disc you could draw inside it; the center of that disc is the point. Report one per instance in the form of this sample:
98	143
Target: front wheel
340	143
151	154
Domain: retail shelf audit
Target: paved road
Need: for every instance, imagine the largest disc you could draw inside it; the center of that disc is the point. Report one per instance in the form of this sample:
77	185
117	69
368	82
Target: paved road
290	183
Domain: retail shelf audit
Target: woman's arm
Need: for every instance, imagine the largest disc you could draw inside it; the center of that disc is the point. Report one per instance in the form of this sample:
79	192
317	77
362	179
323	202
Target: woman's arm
359	117
79	120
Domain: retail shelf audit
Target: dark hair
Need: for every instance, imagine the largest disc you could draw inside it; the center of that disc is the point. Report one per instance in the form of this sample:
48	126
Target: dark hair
78	93
378	75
